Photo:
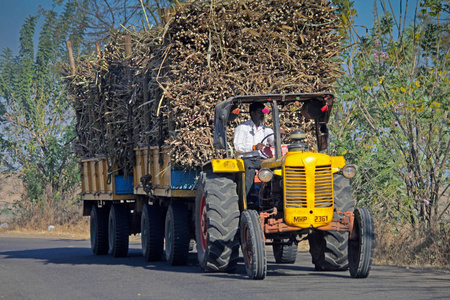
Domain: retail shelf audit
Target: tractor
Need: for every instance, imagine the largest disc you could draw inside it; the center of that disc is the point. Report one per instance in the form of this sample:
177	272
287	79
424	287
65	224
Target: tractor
301	193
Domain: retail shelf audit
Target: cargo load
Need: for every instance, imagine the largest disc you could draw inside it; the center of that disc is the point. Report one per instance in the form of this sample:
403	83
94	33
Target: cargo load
158	87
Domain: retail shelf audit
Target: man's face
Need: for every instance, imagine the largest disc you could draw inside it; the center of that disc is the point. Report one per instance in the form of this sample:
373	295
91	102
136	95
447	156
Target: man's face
257	116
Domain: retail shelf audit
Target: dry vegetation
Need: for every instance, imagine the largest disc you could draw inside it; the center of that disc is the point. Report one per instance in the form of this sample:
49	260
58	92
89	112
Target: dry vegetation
11	191
401	245
20	215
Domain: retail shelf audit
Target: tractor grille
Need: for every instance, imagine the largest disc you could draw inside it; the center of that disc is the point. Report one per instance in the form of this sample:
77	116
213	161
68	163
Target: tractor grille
295	178
324	187
295	183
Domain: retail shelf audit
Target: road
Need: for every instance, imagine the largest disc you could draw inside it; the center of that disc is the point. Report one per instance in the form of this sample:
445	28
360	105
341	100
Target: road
51	268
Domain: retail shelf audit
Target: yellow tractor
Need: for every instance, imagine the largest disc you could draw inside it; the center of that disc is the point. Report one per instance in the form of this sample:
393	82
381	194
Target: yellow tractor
303	194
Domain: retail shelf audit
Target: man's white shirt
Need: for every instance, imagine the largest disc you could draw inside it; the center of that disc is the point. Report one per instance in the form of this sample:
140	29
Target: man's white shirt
246	135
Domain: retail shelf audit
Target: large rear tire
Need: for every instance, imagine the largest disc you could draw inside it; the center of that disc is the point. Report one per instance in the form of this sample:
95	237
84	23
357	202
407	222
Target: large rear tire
99	230
360	248
217	223
118	231
253	245
284	253
329	249
177	234
152	232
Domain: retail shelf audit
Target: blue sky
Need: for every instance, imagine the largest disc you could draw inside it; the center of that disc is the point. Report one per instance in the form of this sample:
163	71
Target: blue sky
12	16
14	12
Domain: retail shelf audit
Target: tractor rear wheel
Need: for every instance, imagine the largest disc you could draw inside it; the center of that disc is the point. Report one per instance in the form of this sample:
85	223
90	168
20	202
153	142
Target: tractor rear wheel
99	230
152	232
284	253
329	249
360	248
217	223
118	230
253	245
177	234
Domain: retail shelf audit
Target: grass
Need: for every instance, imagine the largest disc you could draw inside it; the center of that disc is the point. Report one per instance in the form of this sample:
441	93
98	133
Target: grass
80	230
400	244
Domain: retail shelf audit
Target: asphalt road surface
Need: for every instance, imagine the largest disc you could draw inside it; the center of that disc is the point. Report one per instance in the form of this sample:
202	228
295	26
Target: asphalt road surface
49	268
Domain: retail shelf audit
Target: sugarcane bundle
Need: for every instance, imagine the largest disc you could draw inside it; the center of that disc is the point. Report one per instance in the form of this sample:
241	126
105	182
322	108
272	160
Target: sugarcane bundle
163	91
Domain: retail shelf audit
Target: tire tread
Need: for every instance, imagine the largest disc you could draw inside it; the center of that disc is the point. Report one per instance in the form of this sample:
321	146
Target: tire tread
222	250
120	245
99	243
153	250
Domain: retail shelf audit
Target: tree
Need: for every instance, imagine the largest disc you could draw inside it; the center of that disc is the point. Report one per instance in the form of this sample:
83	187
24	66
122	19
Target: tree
36	115
395	103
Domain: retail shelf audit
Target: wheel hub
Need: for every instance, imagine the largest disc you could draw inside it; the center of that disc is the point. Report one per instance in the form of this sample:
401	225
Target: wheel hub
112	229
247	246
93	233
144	233
169	236
203	222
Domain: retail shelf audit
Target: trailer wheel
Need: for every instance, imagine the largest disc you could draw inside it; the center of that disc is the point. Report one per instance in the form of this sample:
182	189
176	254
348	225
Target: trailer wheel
177	234
329	249
253	245
217	223
118	231
99	230
360	249
284	254
152	232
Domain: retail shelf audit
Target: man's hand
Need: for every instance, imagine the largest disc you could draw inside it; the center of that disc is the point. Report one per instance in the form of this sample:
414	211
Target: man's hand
259	146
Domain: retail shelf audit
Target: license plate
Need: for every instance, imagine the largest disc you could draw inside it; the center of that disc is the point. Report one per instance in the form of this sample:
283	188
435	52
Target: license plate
299	219
321	219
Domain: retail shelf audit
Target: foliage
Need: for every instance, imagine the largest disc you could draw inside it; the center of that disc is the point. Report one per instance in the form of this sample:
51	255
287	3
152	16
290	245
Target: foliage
395	105
35	114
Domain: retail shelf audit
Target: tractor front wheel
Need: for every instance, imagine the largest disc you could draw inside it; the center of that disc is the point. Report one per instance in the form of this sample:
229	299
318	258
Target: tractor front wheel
253	245
360	247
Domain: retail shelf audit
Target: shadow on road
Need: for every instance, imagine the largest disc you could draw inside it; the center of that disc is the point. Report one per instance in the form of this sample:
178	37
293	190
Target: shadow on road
83	256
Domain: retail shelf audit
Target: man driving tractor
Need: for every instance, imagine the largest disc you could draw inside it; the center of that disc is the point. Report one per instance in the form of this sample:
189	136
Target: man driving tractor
250	139
304	192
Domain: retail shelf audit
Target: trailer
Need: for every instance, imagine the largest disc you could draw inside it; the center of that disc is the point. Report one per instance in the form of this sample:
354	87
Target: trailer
156	201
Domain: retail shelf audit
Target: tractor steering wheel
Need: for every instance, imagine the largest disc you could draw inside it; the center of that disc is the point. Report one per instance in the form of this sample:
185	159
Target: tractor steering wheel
266	155
261	152
266	137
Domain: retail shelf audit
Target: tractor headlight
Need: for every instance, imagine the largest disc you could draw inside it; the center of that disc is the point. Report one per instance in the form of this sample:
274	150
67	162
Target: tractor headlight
265	175
349	171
